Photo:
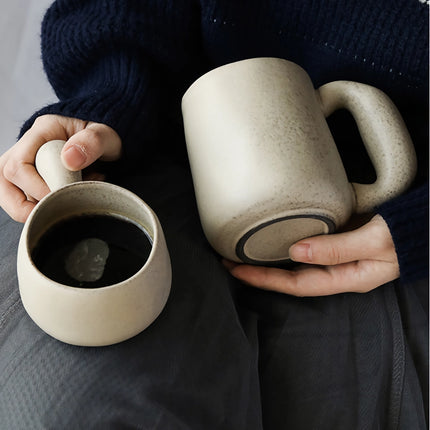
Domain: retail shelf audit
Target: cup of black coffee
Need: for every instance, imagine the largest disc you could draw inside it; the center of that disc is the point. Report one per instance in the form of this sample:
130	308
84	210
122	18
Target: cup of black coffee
93	264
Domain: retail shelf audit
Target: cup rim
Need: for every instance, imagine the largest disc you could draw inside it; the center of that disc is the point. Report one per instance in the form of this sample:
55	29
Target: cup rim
85	184
222	66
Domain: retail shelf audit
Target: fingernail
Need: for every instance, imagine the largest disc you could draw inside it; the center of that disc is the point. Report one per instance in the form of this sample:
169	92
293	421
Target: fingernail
301	252
75	156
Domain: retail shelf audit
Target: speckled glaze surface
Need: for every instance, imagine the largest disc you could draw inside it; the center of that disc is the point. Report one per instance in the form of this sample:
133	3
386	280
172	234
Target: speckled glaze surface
99	316
266	170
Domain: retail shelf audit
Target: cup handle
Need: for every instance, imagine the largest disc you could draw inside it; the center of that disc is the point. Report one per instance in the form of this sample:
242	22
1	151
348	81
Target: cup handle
49	166
384	135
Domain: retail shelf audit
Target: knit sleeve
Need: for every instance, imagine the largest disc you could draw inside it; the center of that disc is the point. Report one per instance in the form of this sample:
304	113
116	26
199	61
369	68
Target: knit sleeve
408	220
109	60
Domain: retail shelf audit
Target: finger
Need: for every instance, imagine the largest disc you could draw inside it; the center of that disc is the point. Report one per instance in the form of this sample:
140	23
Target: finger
88	145
44	129
360	277
19	167
371	241
25	177
14	202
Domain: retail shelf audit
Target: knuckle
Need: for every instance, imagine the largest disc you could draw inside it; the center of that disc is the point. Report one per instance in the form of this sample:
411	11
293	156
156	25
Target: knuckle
333	255
294	287
92	142
11	169
381	238
93	135
50	127
43	120
358	271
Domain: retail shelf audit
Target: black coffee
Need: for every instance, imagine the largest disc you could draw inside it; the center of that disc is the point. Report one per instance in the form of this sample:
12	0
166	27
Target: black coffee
92	251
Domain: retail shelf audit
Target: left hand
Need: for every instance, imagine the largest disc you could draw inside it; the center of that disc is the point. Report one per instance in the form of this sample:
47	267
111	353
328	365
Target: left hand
353	261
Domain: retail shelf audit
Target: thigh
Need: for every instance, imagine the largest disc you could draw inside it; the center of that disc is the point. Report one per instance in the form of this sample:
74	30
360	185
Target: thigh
339	362
194	367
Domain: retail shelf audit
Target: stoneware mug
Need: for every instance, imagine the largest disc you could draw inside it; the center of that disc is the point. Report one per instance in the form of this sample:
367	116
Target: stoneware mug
90	316
265	167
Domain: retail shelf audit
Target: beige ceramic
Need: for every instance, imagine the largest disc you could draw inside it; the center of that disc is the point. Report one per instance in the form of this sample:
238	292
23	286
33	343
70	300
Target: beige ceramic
82	316
266	170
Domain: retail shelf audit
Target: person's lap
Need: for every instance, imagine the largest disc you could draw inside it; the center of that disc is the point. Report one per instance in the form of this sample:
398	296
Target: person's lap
192	368
348	361
220	355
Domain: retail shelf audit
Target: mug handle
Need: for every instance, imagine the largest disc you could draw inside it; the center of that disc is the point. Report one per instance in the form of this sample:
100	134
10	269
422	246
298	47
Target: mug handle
384	135
49	166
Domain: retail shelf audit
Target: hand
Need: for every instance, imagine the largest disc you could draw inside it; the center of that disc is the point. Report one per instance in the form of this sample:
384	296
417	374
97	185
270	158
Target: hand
354	261
21	187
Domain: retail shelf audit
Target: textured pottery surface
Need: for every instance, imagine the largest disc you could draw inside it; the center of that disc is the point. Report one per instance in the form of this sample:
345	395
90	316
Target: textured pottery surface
265	167
93	316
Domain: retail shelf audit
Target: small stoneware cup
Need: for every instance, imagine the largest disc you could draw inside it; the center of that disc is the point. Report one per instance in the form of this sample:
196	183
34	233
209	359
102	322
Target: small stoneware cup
90	316
265	167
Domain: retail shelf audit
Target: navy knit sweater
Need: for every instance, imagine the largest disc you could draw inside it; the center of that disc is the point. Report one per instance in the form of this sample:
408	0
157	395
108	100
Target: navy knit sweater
126	63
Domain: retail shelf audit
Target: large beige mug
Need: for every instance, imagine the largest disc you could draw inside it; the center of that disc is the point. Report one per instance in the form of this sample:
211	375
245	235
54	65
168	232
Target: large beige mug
265	167
90	316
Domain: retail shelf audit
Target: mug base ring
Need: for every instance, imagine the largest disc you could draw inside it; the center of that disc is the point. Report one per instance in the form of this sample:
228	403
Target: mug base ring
268	243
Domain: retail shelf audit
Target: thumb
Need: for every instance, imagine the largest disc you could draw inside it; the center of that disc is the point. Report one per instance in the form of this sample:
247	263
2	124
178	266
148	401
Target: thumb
371	241
88	145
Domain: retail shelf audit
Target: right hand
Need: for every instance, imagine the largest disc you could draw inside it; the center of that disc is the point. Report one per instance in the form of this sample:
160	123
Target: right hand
21	187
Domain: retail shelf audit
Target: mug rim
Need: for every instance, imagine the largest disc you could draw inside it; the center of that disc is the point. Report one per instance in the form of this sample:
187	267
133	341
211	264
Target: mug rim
222	66
40	205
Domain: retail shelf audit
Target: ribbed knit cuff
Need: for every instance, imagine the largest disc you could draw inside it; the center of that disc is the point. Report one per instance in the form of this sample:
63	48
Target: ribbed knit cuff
408	220
85	108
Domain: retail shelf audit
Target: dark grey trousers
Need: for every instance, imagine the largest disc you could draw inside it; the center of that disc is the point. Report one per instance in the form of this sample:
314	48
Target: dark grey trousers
221	355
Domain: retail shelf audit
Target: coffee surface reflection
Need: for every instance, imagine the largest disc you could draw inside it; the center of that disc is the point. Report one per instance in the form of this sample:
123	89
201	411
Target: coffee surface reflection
92	251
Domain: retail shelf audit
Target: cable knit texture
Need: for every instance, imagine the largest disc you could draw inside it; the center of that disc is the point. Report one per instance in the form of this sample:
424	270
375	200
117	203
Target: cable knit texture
126	63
